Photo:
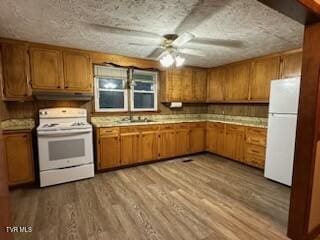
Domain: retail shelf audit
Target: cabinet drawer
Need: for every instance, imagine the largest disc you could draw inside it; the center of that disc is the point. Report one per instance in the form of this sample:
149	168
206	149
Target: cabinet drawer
108	131
198	125
182	126
256	136
148	128
167	126
128	129
255	155
215	125
254	161
234	128
258	151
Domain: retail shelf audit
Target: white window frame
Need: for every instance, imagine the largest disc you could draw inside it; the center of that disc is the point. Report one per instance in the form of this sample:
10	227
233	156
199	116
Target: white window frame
97	95
155	91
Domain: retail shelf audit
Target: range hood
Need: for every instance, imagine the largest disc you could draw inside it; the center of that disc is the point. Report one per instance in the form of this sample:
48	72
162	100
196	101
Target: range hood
63	96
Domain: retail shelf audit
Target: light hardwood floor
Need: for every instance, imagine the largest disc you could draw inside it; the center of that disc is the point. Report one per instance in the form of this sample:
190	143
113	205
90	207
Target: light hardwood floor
210	198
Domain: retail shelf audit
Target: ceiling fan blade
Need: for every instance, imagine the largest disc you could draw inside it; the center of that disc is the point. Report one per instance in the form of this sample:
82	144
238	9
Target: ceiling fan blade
194	52
123	31
201	11
218	42
144	44
182	39
156	53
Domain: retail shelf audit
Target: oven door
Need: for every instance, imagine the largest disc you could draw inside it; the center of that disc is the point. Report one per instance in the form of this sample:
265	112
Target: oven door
67	148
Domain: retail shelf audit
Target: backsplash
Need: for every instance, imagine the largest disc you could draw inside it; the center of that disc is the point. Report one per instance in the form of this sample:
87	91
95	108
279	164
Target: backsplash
250	110
18	110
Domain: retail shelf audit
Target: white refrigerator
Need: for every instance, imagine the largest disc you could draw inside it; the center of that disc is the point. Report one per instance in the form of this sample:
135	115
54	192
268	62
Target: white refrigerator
282	122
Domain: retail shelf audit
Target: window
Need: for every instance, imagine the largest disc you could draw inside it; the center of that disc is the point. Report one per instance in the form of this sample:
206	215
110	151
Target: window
144	91
113	95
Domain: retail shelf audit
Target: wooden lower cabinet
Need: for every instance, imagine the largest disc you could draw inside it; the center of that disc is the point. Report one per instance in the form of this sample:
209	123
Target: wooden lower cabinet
137	144
214	138
149	144
234	142
130	147
255	147
18	153
197	137
182	139
108	148
167	143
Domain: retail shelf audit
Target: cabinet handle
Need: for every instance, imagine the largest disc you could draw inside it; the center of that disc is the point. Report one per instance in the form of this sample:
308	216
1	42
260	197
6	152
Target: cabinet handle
66	87
58	87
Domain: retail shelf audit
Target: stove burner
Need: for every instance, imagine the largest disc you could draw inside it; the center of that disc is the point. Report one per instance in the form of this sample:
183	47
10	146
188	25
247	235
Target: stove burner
78	124
49	125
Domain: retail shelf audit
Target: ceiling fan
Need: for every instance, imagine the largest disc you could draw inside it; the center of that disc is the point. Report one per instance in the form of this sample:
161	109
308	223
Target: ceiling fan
170	50
173	46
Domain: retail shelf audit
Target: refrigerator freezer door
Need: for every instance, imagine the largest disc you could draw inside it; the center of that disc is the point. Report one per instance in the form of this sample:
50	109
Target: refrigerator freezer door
280	147
284	96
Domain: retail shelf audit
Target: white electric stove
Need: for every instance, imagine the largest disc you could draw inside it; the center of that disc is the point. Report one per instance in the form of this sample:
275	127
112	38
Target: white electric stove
64	145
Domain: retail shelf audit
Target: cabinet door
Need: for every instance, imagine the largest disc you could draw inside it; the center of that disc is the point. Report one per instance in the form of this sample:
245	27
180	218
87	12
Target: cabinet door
186	85
197	139
173	85
20	163
109	155
199	83
216	81
237	82
215	138
148	146
16	71
129	145
234	142
183	140
167	144
291	65
264	70
77	71
46	69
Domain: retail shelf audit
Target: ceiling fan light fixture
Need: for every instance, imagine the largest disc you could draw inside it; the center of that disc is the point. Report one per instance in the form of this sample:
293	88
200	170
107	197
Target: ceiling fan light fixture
179	61
167	60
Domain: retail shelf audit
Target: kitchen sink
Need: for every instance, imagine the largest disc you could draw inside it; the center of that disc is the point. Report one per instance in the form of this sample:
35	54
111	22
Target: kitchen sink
135	121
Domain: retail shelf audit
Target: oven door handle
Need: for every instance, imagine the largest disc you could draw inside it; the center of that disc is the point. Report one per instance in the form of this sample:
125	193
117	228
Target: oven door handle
64	133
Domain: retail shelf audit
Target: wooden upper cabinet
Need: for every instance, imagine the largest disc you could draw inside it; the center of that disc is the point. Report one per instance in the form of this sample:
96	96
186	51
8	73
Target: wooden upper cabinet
215	81
20	163
46	69
16	71
186	85
199	85
264	70
291	65
77	71
237	82
172	85
183	85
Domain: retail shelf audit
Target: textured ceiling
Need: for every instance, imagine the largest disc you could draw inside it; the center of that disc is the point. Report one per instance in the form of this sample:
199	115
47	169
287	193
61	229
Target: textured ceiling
67	23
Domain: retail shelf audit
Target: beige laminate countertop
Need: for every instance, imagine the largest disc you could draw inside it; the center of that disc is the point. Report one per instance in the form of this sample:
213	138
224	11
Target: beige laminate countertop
18	125
100	124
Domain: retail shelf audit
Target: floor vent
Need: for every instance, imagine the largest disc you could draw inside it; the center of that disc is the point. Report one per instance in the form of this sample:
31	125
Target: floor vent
187	160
